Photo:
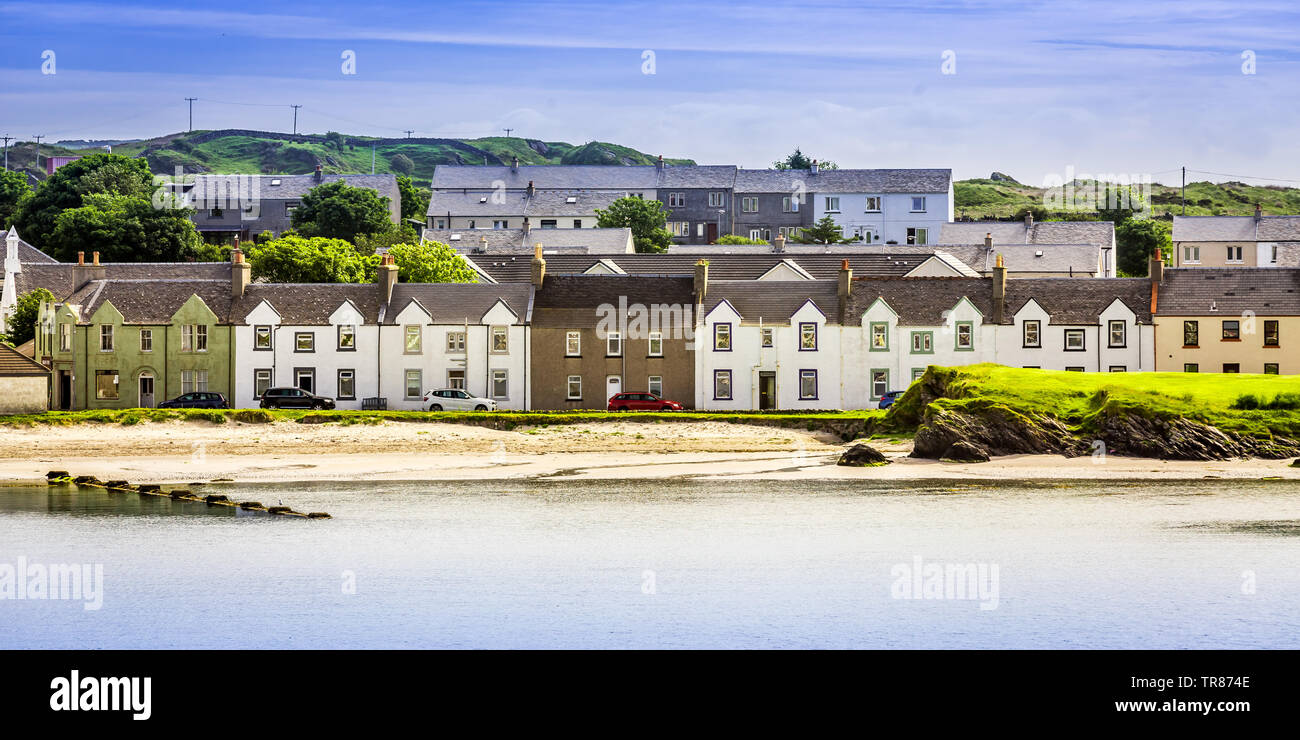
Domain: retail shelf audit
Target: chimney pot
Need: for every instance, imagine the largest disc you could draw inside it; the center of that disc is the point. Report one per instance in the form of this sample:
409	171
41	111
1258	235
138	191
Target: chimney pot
538	266
95	256
81	258
701	280
988	239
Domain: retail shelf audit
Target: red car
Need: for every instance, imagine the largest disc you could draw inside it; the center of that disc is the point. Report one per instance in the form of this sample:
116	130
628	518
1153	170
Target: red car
641	402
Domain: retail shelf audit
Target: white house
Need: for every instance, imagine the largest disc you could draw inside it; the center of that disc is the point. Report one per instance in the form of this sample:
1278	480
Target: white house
884	206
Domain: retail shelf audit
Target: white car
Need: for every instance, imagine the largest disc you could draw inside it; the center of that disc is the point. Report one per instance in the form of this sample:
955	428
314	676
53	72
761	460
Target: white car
455	399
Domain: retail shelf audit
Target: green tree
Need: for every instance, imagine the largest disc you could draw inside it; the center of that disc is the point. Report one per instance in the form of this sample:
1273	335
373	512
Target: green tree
737	239
797	160
415	200
430	262
646	219
334	139
13	190
1136	240
825	231
1119	203
339	211
22	321
124	228
401	164
297	259
106	173
371	243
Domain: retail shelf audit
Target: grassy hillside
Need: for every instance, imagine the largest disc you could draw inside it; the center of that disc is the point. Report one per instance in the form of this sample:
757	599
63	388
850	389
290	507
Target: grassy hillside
987	199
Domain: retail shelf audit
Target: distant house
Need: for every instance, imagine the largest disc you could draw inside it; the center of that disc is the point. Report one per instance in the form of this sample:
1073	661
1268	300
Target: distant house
53	163
245	206
1049	236
1237	241
24	383
523	241
538	209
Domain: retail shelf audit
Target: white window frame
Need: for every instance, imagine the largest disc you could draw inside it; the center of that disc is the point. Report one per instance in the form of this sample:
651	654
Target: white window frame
418	374
106	338
407	335
655	344
573	388
916	198
614	344
832	204
146	340
573	344
867	208
502	376
655	384
503	333
455	341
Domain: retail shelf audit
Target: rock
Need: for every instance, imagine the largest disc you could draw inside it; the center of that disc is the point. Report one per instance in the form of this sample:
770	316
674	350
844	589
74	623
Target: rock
992	429
862	456
57	474
962	451
1295	463
1000	177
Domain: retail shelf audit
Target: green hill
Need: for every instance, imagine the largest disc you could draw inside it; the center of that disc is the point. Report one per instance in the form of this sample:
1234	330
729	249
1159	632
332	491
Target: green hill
987	199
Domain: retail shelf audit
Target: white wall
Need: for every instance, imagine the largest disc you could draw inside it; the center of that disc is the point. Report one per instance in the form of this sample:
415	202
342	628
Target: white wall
895	215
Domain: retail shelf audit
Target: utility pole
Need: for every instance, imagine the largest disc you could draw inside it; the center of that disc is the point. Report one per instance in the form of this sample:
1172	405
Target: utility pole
372	157
7	138
38	151
409	132
295	117
191	102
507	130
1184	195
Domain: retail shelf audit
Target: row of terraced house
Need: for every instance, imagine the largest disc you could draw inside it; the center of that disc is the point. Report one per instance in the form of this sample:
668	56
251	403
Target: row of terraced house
747	330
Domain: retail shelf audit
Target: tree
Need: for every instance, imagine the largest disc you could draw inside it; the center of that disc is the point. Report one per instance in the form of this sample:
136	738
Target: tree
1119	203
371	243
415	201
13	190
797	160
1136	240
124	228
22	322
401	164
297	259
646	219
825	231
112	174
339	211
736	239
430	262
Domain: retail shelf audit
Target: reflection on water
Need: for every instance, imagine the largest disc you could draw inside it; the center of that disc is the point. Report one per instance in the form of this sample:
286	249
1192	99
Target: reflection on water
668	564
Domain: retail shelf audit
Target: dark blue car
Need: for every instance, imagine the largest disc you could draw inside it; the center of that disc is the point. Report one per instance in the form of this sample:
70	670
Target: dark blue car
888	399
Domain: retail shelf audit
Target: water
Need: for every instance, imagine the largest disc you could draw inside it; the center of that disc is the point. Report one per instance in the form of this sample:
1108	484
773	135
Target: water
681	564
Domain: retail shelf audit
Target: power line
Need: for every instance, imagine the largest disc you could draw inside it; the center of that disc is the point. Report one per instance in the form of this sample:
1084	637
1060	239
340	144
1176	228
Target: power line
7	138
1243	177
38	150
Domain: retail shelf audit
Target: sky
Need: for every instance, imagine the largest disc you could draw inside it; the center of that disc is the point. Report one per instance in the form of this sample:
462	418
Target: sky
1031	89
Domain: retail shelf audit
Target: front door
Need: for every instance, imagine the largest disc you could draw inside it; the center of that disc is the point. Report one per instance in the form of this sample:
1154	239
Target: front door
766	391
711	234
613	386
305	379
65	390
146	391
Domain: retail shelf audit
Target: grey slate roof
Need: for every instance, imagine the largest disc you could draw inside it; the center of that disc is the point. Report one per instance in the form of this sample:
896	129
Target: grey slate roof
845	181
554	203
1040	258
58	277
774	302
514	241
1100	233
151	301
517	268
1278	229
26	252
291	186
573	300
564	177
1080	302
922	301
302	304
1229	291
704	176
1214	229
14	364
543	204
452	303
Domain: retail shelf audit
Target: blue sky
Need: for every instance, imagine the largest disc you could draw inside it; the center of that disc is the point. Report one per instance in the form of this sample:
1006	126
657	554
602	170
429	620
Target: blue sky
1102	87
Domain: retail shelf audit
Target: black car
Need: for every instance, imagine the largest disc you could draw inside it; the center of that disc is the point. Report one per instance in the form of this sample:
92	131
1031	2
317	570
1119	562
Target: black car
294	398
199	400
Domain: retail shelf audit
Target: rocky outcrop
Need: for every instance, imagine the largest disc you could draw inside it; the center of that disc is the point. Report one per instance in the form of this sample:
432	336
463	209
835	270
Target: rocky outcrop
862	456
965	452
1133	432
975	432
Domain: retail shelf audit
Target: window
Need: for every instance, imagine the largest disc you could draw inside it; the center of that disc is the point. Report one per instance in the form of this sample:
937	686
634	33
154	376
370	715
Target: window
574	388
500	384
1074	369
577	223
1191	367
873	204
1117	333
655	344
715	200
573	344
762	235
261	337
411	339
500	339
1030	334
722	385
106	338
918	204
347	338
790	204
500	224
1234	255
455	341
193	381
146	340
965	335
791	233
768	337
1271	336
201	338
304	341
680	228
676	200
655	384
187	338
1192	255
922	342
1231	367
749	204
917	235
456	379
807	385
65	337
347	385
879	336
549	223
1191	334
1118	369
613	344
917	372
722	337
261	381
1270	368
1074	340
413	385
106	385
1232	331
879	383
807	337
832	204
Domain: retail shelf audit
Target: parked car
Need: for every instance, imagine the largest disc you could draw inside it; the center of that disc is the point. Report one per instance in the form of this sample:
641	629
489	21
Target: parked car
642	402
456	399
200	400
888	399
294	398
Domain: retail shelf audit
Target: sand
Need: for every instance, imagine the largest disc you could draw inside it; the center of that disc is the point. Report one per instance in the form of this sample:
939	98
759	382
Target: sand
179	452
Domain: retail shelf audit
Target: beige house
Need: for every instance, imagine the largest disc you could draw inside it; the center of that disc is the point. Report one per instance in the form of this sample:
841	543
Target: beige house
24	383
1237	241
1227	320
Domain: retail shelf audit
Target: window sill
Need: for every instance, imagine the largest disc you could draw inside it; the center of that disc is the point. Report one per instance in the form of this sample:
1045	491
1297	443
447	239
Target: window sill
1191	346
1229	340
1272	346
1117	346
654	357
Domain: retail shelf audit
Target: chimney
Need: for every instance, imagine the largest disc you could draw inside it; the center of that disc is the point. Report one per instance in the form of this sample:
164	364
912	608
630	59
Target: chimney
240	272
514	164
846	286
701	280
95	256
531	190
528	227
83	273
1259	212
660	163
539	267
779	245
319	175
81	258
1156	267
999	290
482	245
814	167
988	240
386	277
1029	220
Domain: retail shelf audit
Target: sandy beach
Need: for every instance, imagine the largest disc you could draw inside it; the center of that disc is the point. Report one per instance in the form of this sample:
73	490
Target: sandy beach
287	451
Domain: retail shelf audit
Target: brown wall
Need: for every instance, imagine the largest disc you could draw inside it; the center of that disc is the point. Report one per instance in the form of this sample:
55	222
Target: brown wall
551	368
